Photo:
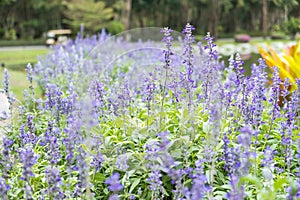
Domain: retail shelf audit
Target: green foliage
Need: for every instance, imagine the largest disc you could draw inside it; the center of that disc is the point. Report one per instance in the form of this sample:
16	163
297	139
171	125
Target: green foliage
109	14
285	3
115	27
93	15
291	27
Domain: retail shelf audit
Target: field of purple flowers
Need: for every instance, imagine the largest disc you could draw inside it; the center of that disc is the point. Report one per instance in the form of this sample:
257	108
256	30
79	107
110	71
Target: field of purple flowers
127	120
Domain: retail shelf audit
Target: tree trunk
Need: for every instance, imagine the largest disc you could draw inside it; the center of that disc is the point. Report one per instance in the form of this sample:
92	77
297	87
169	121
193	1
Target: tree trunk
265	18
189	14
127	17
215	17
285	13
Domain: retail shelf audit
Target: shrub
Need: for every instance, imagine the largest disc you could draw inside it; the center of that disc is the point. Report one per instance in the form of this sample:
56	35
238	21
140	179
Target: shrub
291	27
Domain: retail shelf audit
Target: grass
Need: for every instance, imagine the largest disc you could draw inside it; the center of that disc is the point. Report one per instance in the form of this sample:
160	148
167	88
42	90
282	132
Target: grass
16	61
18	83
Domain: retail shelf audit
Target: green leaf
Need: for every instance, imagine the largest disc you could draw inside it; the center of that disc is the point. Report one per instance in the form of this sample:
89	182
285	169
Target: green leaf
279	183
251	179
99	177
266	194
134	184
206	127
130	173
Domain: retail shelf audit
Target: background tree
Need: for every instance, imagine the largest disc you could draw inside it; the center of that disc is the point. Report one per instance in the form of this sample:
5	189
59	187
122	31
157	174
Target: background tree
32	18
6	7
287	5
94	16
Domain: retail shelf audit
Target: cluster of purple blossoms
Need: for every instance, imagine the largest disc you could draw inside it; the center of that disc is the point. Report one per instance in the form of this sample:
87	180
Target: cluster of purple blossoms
154	179
159	161
50	132
245	140
290	109
242	164
53	147
56	104
259	80
28	158
188	49
187	81
231	156
233	85
149	89
70	141
30	78
82	168
114	185
237	65
124	98
97	161
6	82
155	182
122	162
5	159
97	158
6	164
168	161
268	164
209	75
200	185
7	90
175	88
54	183
167	39
274	97
297	97
28	135
212	52
4	187
290	104
98	93
236	192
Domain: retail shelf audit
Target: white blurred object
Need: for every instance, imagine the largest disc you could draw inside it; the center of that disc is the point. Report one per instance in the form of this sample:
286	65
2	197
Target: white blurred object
4	113
4	106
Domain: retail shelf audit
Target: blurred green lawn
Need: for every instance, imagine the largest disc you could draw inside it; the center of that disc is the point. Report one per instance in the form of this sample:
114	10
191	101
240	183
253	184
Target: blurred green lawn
15	61
18	59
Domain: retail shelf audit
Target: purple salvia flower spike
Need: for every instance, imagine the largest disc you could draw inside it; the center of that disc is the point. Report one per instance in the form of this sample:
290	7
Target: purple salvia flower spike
213	54
54	183
28	158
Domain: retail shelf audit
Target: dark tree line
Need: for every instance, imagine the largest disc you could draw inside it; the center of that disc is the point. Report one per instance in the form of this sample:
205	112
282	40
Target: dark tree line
32	18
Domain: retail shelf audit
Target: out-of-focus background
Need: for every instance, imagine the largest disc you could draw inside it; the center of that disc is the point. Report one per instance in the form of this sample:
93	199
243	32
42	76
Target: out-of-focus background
27	21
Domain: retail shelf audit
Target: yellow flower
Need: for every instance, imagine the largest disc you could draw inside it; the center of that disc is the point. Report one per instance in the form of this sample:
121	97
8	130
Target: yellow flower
288	63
